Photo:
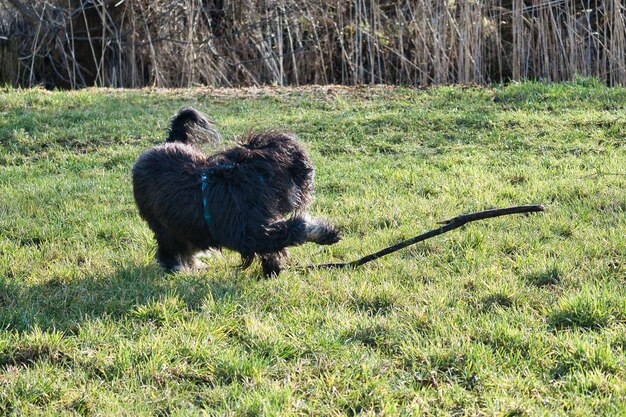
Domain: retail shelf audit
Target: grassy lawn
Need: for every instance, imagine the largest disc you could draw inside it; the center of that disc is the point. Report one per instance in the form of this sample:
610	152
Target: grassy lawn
520	315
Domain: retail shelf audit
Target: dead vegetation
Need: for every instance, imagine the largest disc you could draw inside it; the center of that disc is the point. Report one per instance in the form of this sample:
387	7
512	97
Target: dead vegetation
183	43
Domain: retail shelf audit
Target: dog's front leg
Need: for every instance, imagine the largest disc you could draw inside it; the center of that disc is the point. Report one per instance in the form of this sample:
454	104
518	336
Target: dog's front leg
269	242
272	263
320	231
292	232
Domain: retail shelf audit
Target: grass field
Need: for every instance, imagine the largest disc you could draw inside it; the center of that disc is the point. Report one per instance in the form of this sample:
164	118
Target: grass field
521	315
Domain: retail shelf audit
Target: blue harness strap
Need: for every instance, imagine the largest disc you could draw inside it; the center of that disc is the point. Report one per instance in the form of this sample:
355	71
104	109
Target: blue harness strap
205	208
205	205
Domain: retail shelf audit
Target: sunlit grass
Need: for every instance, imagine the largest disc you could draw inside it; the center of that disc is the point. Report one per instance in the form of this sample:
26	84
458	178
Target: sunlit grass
521	315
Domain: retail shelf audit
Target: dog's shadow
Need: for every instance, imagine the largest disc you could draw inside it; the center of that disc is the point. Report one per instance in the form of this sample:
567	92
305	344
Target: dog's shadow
63	305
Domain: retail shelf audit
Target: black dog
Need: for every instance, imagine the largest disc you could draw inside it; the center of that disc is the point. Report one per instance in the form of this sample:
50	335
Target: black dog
238	199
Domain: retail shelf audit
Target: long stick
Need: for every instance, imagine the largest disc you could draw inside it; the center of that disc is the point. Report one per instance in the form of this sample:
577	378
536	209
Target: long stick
448	225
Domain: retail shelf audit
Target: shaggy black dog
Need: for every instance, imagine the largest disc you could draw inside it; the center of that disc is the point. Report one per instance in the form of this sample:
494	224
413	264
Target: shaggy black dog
250	198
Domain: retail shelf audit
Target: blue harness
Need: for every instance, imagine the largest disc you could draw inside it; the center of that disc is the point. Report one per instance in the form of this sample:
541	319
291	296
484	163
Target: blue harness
205	205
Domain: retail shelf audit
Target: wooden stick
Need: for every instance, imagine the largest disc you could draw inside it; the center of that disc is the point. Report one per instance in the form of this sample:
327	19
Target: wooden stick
447	226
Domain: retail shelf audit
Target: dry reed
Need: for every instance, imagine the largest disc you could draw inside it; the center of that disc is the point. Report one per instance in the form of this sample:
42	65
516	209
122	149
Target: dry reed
181	43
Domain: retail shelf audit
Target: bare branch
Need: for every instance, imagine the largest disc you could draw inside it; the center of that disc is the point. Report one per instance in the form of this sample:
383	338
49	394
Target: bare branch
451	224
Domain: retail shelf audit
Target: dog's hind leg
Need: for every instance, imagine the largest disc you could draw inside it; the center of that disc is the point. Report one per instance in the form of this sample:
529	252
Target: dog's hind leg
172	254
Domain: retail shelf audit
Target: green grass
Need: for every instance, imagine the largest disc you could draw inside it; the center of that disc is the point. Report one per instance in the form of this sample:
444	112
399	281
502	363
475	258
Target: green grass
520	315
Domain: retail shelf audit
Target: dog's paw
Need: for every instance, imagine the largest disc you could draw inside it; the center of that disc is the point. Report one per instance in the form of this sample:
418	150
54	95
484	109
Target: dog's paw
173	268
323	233
198	265
271	268
331	237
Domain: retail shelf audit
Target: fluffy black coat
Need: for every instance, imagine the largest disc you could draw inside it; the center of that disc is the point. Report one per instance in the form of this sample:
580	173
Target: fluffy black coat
251	189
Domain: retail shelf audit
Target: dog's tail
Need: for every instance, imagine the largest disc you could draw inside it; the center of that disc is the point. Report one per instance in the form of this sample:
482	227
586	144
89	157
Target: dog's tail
192	127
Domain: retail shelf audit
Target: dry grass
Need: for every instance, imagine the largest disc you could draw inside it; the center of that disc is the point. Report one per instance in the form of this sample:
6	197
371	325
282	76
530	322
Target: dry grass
183	43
